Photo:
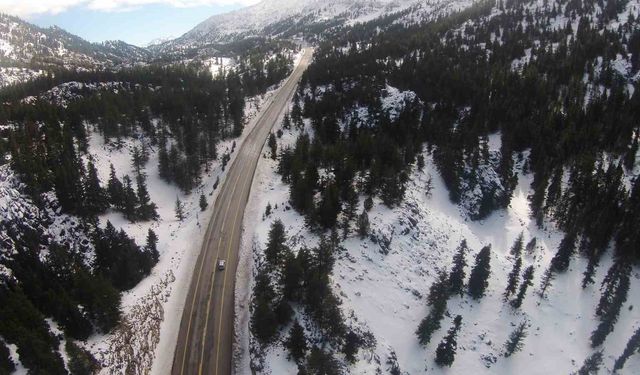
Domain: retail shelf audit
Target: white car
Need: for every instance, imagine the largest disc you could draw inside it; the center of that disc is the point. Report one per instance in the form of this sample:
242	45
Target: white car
221	264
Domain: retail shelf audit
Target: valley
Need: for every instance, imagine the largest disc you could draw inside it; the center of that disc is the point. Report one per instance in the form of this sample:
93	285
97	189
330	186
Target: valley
393	186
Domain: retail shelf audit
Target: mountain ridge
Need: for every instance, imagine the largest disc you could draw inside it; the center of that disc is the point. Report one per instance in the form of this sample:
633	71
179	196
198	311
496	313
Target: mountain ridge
23	43
278	18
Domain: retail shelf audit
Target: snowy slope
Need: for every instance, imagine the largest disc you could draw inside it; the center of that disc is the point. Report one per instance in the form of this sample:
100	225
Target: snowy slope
383	288
67	92
146	338
24	43
274	17
11	75
17	208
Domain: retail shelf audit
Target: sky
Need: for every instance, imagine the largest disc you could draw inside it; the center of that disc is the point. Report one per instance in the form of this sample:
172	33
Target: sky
135	21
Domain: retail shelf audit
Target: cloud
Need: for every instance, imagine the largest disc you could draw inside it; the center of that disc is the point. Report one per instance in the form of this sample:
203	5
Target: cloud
26	8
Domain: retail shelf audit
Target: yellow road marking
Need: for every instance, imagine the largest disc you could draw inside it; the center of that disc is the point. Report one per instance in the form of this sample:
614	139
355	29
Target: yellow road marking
208	238
206	321
193	301
202	264
224	283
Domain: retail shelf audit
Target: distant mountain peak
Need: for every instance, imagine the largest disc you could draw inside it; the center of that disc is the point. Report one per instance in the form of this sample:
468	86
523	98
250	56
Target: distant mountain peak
25	44
281	18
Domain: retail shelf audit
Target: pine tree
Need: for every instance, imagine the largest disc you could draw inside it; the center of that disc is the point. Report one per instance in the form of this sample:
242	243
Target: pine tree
591	364
297	342
531	246
513	279
137	159
437	299
147	210
152	245
130	200
547	279
438	290
96	199
516	249
273	146
560	261
446	351
115	189
588	276
514	344
479	278
276	246
368	203
264	322
6	364
633	346
203	202
322	362
352	343
527	278
555	189
457	274
420	162
164	164
329	206
68	171
615	289
363	224
119	259
349	213
283	312
296	115
292	275
179	210
628	236
286	122
80	361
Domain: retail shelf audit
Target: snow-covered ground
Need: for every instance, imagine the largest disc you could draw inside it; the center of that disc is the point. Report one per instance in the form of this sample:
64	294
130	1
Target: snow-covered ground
252	20
61	228
165	289
386	292
67	92
153	309
218	65
11	75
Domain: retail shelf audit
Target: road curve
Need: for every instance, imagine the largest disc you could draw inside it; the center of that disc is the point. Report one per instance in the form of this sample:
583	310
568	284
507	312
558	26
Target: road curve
205	338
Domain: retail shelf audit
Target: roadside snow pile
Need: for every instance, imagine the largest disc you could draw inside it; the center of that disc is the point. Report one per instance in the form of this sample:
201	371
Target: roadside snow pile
383	282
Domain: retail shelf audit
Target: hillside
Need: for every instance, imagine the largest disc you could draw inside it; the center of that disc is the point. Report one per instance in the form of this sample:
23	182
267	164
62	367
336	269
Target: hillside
282	19
26	50
453	188
458	193
85	250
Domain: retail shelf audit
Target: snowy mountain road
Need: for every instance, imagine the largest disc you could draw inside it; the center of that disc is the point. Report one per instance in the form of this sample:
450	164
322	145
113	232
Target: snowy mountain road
205	338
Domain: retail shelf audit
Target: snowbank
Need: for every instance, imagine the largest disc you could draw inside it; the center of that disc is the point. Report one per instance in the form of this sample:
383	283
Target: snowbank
385	292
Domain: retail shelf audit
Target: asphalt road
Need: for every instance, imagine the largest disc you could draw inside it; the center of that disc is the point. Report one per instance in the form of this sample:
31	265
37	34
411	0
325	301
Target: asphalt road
205	338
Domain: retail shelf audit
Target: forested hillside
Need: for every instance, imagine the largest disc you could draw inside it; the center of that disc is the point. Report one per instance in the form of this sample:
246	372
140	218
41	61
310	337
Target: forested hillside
454	188
557	81
62	265
488	97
